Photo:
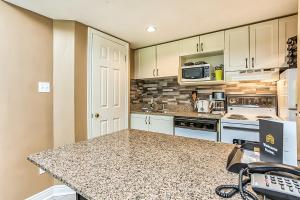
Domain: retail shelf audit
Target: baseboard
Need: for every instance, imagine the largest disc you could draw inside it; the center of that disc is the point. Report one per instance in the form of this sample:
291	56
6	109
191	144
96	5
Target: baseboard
54	191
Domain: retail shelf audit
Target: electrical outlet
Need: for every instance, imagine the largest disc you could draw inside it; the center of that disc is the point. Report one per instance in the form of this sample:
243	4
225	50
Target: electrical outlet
41	171
44	87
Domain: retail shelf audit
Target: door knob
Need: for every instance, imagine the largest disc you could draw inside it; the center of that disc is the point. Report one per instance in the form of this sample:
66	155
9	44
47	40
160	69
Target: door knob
97	115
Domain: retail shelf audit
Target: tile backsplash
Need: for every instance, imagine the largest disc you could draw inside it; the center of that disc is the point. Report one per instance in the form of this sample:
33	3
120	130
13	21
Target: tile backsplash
168	91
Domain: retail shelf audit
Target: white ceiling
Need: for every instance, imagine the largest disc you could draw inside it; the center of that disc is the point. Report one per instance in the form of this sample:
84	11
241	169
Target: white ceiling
174	19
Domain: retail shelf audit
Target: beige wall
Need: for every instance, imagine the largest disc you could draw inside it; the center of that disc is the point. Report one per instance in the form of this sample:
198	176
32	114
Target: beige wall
70	82
25	114
63	82
81	35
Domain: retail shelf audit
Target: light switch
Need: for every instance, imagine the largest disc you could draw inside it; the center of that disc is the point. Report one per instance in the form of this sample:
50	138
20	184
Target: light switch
44	87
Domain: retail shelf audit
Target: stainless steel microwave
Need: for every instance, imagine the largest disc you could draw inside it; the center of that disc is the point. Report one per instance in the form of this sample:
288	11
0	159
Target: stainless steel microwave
196	73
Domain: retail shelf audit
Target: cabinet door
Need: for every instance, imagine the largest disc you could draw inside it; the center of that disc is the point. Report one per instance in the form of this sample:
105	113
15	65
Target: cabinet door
287	29
189	46
236	53
161	124
167	59
147	62
212	42
139	122
264	45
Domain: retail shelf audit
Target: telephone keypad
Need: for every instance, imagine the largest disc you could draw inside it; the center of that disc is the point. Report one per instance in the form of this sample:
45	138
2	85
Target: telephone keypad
277	187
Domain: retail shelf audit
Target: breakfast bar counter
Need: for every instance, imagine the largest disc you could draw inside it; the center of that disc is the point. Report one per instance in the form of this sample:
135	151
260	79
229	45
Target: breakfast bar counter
133	164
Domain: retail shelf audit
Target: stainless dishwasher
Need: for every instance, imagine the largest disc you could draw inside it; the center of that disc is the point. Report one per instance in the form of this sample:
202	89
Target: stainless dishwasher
193	127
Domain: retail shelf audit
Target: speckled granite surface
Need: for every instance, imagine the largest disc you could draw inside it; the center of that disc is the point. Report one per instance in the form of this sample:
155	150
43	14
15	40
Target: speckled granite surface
133	164
181	114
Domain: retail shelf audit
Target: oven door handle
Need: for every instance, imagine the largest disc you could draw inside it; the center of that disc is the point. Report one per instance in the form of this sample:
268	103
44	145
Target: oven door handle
241	128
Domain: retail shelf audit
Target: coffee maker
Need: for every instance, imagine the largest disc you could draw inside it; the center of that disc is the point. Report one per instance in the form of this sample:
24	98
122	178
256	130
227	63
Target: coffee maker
218	102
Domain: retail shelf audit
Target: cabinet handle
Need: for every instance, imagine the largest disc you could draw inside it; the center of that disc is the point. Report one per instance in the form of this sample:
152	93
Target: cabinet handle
146	120
202	46
246	62
153	72
197	47
149	120
252	62
156	72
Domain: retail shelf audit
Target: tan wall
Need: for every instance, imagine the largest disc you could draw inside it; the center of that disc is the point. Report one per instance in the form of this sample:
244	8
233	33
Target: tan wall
63	82
25	114
81	35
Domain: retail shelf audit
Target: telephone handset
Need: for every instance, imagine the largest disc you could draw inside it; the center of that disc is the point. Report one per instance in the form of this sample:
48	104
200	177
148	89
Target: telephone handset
285	185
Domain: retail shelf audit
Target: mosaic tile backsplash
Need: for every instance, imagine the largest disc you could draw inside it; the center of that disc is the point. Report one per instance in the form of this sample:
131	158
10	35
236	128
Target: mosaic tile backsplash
169	92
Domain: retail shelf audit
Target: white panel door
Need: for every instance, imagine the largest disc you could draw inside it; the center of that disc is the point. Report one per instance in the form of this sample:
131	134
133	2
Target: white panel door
147	62
161	124
264	45
236	53
189	46
287	29
108	86
167	59
212	42
139	122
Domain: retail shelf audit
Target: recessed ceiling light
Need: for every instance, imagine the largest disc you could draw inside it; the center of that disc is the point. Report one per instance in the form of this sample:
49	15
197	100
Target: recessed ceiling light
151	29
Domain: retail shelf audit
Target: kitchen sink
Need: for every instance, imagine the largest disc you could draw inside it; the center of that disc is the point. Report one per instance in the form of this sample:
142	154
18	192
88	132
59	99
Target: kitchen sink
157	111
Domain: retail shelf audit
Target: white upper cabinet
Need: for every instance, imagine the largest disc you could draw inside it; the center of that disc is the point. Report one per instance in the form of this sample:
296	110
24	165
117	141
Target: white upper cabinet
264	45
212	42
287	29
189	46
147	63
167	59
236	53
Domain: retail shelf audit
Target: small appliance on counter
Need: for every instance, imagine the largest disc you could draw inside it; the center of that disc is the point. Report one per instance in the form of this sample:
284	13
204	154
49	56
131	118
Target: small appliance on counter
218	102
203	106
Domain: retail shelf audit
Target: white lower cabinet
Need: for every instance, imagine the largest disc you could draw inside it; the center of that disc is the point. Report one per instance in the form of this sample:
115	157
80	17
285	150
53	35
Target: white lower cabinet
153	123
139	122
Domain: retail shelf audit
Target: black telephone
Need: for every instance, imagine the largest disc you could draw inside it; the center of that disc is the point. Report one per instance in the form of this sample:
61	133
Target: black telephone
274	181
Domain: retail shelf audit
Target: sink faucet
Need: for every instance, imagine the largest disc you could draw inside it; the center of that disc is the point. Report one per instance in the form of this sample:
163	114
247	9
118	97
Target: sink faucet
152	104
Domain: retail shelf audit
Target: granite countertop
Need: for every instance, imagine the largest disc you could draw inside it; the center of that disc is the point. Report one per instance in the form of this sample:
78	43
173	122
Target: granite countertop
181	114
134	164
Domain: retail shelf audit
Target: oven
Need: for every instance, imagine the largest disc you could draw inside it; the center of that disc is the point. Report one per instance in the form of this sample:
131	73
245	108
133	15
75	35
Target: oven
234	133
193	127
200	72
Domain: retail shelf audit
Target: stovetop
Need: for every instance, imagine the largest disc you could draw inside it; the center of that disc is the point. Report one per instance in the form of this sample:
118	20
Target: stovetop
251	117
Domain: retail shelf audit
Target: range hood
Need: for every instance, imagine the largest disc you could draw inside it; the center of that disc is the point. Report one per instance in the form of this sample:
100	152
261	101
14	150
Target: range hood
271	74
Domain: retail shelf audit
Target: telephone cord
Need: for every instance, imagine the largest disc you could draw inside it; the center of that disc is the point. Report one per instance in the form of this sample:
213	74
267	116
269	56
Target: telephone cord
233	189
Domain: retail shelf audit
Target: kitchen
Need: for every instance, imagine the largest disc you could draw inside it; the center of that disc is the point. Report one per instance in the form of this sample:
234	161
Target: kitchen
255	79
148	109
